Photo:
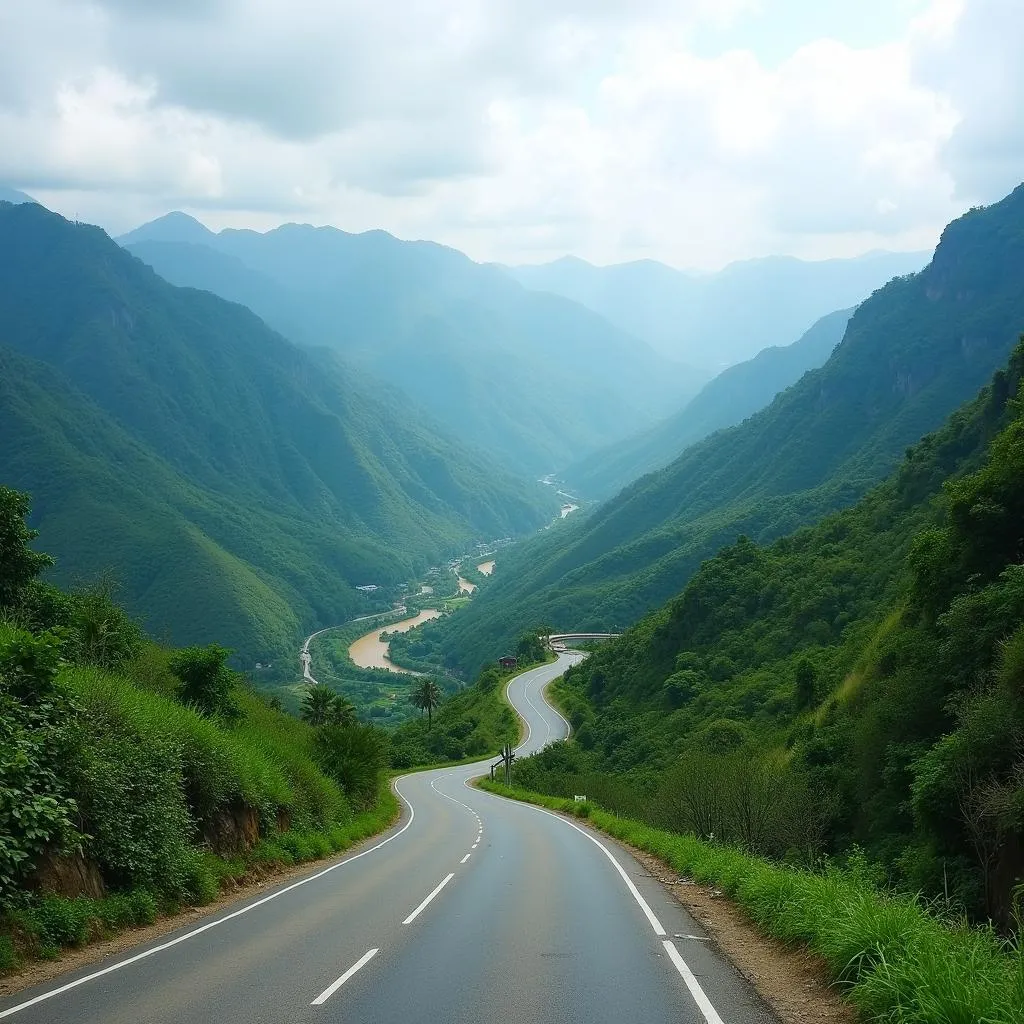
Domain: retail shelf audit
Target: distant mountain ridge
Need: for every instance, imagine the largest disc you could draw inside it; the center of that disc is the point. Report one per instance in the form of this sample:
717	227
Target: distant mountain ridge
12	195
912	353
535	379
728	399
719	319
240	486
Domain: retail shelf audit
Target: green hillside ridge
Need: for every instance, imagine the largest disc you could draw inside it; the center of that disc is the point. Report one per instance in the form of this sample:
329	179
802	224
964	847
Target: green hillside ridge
859	682
534	379
238	486
728	399
137	779
912	353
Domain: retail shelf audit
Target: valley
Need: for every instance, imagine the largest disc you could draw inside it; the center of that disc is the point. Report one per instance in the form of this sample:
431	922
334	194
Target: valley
799	579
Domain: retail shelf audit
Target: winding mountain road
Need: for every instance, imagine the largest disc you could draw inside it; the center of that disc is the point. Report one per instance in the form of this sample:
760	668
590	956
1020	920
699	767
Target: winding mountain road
471	908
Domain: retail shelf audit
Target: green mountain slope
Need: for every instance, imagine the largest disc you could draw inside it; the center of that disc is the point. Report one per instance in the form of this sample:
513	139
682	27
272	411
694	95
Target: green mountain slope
876	660
730	398
534	379
911	354
716	320
217	455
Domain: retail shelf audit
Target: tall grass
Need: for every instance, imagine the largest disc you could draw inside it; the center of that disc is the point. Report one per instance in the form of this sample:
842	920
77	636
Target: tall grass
897	962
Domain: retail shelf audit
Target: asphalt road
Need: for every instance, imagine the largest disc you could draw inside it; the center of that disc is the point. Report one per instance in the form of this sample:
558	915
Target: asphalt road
472	908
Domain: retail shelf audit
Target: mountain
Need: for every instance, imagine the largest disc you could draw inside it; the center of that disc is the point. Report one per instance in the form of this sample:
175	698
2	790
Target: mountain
533	378
12	195
912	353
716	320
240	486
730	398
864	678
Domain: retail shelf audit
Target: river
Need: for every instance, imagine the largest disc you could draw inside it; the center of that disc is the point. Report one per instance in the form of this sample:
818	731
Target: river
369	651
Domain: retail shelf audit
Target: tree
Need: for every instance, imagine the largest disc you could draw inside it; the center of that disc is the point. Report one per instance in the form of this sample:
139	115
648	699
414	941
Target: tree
19	564
321	706
806	678
356	757
427	696
316	705
206	680
107	635
38	739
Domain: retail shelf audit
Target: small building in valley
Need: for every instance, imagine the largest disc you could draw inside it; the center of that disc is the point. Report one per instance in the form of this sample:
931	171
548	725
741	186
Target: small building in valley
508	662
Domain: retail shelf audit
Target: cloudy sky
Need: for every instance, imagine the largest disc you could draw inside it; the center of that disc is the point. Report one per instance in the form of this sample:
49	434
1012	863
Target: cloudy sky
691	131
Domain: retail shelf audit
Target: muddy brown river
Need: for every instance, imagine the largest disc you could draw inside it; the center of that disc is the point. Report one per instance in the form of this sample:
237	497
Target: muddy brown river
369	651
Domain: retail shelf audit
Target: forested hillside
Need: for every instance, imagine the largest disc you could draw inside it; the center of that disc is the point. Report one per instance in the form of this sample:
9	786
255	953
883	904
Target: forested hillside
862	680
714	320
730	398
535	380
911	354
137	779
238	486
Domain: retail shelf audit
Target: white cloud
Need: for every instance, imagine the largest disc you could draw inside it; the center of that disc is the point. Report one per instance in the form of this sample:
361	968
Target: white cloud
512	128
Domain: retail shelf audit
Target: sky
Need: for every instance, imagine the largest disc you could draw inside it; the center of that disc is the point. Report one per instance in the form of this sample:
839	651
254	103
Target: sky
695	132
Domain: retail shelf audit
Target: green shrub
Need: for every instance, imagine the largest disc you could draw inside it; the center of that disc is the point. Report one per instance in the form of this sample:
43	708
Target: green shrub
145	908
8	955
58	921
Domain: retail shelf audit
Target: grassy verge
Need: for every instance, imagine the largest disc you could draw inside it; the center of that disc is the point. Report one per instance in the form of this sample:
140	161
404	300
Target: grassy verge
47	925
897	961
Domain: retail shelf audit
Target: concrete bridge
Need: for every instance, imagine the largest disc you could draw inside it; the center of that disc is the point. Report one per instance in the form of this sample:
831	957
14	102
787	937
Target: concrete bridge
558	640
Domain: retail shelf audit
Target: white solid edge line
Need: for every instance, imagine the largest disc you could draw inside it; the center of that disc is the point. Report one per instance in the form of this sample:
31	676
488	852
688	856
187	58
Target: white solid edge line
42	997
331	989
464	859
699	996
643	904
419	910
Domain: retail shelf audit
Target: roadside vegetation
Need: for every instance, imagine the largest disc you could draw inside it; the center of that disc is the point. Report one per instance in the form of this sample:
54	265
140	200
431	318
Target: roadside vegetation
897	959
135	780
476	722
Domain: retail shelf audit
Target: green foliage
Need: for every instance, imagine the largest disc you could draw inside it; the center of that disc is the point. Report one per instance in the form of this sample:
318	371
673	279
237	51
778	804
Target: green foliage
472	723
868	670
239	486
531	648
206	680
105	634
356	757
482	355
806	676
896	960
321	706
145	762
37	738
903	367
19	564
728	399
427	697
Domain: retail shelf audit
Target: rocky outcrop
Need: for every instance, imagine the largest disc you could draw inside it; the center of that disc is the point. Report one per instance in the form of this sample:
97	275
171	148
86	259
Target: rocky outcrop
232	829
68	875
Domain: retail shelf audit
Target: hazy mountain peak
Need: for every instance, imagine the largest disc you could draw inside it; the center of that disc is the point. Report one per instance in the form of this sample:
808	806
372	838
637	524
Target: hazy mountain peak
12	195
171	227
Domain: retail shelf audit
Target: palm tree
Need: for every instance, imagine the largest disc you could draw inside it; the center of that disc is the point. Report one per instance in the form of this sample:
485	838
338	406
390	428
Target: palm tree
426	697
342	712
318	704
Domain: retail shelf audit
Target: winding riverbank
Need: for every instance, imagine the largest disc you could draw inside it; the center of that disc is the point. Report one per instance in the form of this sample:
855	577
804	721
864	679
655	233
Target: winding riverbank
369	651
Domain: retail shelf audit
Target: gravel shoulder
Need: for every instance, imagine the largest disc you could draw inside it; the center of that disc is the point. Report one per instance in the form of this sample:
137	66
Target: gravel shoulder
793	981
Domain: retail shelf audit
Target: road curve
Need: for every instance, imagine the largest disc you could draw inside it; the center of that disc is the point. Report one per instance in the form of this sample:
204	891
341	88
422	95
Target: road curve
471	907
